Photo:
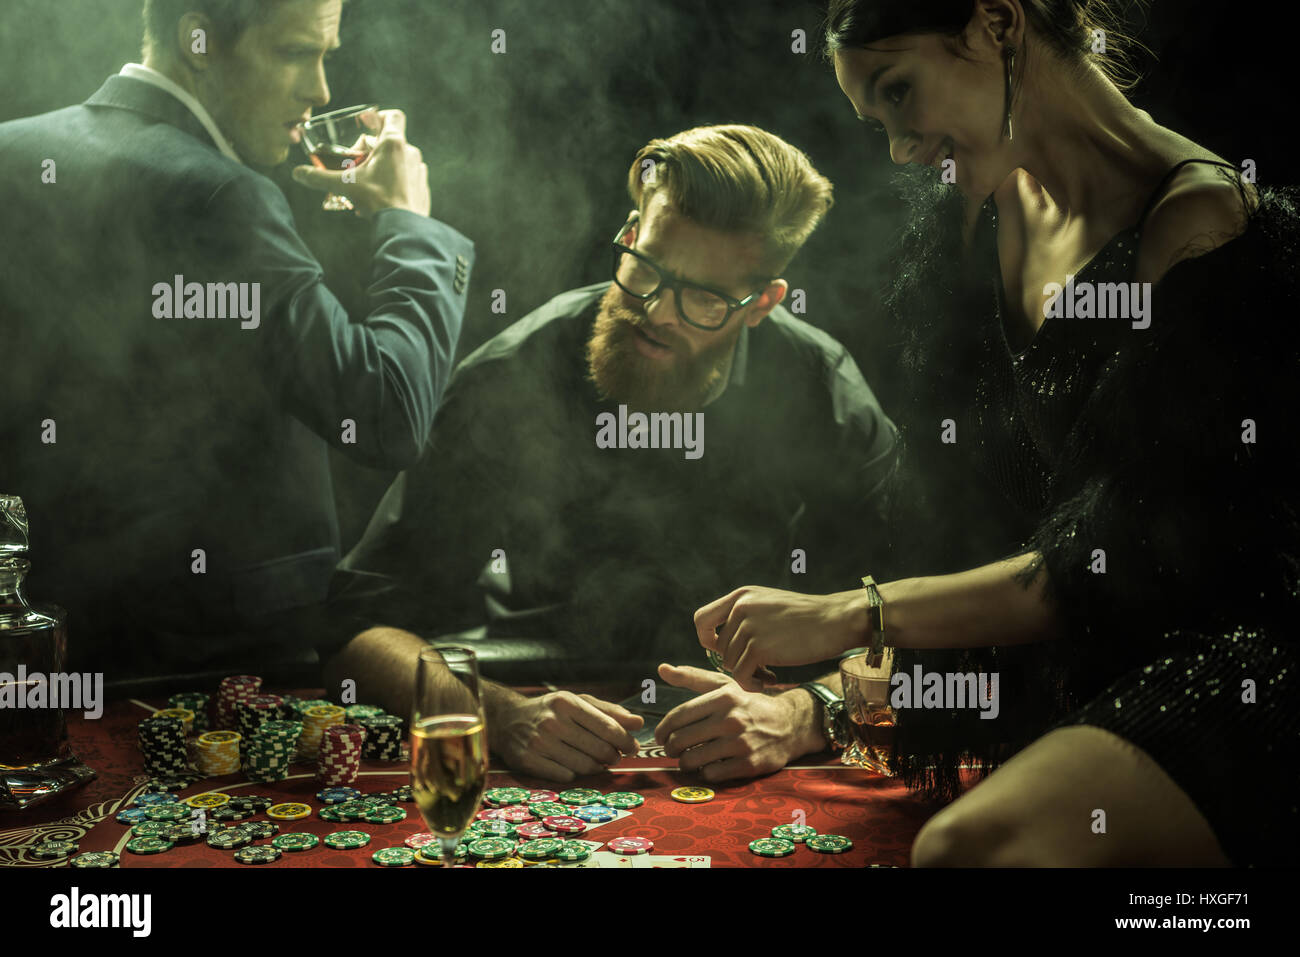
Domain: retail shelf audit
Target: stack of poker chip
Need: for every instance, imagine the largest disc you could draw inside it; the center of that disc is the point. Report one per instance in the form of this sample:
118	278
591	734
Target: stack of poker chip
195	701
233	690
162	742
218	753
184	715
340	754
253	711
355	712
314	722
271	750
383	737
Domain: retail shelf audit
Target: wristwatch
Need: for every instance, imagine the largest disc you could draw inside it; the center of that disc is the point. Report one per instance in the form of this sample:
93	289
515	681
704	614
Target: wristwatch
835	720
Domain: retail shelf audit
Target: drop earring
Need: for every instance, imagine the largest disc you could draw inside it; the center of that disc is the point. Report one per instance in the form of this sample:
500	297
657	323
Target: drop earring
1010	60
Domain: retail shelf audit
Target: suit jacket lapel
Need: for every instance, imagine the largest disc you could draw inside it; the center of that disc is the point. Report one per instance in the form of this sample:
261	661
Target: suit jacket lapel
126	93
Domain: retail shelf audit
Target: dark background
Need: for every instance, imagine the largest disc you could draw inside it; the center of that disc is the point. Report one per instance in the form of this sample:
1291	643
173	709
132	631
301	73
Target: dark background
529	151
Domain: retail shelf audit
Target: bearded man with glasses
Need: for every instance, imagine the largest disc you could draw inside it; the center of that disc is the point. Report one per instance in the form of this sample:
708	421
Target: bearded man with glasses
522	521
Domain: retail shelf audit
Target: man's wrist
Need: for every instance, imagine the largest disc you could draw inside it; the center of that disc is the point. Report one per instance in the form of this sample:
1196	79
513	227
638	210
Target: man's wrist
805	722
498	700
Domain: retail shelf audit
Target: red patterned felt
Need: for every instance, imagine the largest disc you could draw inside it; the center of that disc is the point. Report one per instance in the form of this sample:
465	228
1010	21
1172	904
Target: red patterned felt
880	816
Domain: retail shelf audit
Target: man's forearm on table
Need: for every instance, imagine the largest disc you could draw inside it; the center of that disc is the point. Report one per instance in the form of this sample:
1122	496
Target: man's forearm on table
806	722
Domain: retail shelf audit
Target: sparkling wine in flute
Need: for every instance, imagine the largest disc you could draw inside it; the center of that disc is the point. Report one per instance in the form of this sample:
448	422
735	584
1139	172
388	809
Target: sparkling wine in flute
449	762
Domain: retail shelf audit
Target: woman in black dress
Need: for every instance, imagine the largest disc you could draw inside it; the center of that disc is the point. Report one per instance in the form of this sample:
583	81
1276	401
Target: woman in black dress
1144	625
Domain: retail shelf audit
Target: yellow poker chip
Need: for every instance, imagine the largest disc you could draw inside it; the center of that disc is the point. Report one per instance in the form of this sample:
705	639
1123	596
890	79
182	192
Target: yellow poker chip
288	812
692	795
502	862
210	799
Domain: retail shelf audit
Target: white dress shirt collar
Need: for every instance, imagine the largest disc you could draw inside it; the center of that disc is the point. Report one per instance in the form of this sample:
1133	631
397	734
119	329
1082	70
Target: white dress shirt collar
140	72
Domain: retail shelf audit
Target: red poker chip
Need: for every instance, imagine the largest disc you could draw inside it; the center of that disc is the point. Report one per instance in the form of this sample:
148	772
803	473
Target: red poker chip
538	796
533	830
631	845
515	814
565	824
488	814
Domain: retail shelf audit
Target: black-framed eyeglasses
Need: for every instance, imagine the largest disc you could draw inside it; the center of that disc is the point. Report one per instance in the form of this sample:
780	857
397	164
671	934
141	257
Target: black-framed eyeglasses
641	278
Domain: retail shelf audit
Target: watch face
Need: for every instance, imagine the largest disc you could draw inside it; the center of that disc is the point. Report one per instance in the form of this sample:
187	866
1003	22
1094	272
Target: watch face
839	723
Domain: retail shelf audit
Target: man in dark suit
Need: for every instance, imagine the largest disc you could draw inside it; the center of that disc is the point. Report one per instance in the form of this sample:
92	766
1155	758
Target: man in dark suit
175	366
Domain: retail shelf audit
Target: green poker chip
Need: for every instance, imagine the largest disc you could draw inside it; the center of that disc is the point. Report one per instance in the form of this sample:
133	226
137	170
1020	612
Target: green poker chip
347	840
504	796
581	796
94	859
716	660
794	832
491	848
51	850
492	828
169	812
385	814
540	849
297	841
548	808
258	830
393	857
152	828
228	839
148	845
771	847
263	854
332	814
623	800
830	844
572	852
352	810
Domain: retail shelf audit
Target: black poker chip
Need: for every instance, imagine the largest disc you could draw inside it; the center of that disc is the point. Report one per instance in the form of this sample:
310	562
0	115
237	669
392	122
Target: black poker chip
263	854
252	802
168	784
258	830
228	839
227	814
184	834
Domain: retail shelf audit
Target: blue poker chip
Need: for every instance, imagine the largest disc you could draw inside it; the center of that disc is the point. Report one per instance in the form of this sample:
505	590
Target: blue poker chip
156	797
595	813
337	795
131	815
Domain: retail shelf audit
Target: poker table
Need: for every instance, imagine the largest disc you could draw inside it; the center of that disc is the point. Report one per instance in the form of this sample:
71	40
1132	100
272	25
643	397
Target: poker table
877	813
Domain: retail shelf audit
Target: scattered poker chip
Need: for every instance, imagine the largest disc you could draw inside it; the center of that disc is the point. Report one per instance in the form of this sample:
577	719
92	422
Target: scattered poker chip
492	829
423	839
290	811
152	798
347	840
433	855
352	810
331	814
623	800
148	845
50	850
404	794
393	857
502	862
258	830
209	800
573	852
228	839
565	824
631	845
514	814
579	796
94	859
489	814
690	795
545	808
541	794
595	813
251	802
169	812
830	844
229	814
533	830
297	841
337	795
540	849
798	833
504	796
153	828
263	854
181	834
491	848
385	814
771	847
132	815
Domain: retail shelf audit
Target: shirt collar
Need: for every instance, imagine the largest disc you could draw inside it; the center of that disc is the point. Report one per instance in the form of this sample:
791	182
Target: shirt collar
137	71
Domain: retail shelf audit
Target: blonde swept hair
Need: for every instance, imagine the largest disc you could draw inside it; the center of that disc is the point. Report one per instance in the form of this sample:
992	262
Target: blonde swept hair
738	179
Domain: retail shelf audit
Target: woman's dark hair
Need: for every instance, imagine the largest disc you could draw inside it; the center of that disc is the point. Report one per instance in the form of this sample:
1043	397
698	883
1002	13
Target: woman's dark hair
1066	26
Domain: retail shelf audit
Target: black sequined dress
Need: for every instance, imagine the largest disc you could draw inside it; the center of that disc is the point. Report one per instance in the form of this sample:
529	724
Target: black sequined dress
1170	454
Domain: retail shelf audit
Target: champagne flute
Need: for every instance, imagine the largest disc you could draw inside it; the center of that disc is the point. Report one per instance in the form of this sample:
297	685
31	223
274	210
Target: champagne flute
866	700
449	748
334	141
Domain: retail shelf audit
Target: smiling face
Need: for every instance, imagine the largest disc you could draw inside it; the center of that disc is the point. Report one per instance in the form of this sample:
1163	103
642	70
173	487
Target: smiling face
642	353
936	100
272	78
